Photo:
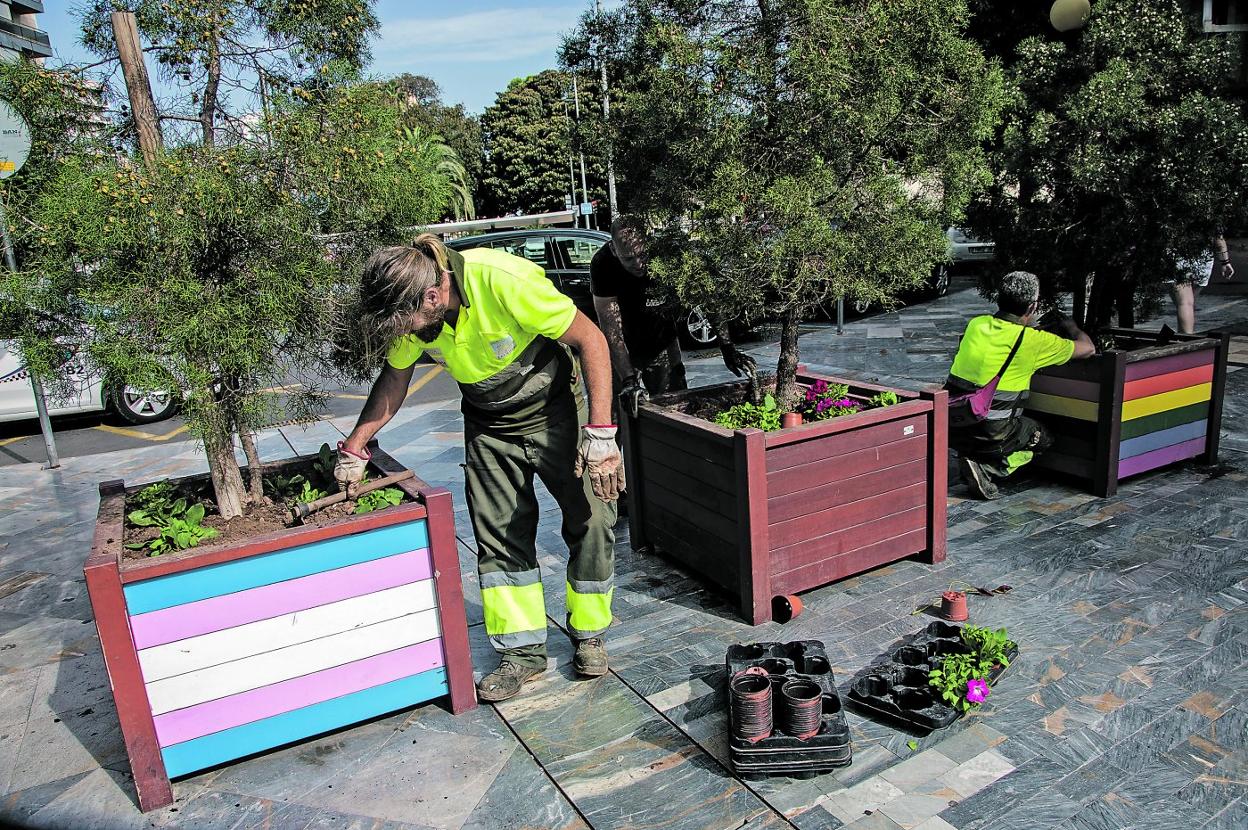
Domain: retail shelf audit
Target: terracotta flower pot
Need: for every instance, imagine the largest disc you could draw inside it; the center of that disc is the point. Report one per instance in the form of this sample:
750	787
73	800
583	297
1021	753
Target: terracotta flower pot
790	419
953	606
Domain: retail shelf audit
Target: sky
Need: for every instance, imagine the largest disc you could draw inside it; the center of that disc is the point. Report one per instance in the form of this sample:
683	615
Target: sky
472	52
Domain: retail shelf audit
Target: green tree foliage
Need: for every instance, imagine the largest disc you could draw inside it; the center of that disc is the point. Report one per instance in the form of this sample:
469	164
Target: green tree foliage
1123	148
209	271
424	110
529	132
224	55
794	150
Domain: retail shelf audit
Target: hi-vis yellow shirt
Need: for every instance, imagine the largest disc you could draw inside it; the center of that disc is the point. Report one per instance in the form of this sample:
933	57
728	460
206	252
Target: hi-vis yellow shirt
507	304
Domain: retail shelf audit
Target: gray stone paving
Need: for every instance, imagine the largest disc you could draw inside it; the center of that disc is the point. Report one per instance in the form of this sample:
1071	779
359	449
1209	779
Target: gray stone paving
1128	706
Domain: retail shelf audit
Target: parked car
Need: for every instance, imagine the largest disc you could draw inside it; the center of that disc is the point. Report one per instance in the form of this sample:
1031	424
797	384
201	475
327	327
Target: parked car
964	250
565	253
92	392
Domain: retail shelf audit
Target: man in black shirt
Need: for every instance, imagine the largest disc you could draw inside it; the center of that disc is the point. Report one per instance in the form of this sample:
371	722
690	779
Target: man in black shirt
639	326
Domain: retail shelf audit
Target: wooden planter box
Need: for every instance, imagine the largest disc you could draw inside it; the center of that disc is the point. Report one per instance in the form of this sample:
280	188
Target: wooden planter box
214	654
767	514
1122	413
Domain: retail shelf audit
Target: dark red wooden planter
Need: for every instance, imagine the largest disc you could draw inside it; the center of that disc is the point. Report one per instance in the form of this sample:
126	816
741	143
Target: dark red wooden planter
1122	413
767	514
220	652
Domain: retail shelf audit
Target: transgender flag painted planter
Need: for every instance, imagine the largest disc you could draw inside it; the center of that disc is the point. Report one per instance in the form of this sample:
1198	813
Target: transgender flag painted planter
1122	413
220	653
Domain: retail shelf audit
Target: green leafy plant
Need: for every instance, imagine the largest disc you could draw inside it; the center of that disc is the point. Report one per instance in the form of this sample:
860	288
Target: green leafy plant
952	678
377	499
178	533
988	645
885	398
324	462
158	504
765	416
309	493
281	488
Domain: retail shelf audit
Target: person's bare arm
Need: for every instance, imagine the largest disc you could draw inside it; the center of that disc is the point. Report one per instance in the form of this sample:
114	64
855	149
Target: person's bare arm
1222	256
1084	347
591	346
384	400
611	322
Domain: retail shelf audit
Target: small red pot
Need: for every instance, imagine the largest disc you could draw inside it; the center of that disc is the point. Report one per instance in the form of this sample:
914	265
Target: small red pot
790	419
953	606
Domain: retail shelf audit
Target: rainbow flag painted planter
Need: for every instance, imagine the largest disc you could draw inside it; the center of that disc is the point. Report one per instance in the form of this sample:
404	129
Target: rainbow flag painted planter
1126	412
215	654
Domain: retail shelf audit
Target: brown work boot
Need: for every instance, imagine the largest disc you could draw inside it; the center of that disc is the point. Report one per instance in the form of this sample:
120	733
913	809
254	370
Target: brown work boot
591	657
977	477
505	681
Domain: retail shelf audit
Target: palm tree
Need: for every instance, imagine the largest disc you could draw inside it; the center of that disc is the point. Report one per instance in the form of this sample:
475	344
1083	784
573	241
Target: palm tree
446	162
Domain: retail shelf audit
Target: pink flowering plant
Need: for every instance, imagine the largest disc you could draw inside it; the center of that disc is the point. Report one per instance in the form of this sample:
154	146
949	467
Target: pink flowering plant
827	400
977	691
962	679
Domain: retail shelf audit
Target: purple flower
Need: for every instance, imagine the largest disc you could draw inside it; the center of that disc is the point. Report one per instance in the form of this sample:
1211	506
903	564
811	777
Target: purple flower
976	691
845	402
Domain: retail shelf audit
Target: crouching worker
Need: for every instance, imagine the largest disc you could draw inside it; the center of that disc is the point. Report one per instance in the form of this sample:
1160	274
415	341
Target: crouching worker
989	382
503	331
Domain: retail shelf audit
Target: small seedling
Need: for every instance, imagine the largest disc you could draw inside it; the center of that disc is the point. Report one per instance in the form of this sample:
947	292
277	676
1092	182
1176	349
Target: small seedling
377	499
178	533
324	462
885	399
764	416
988	645
282	488
309	493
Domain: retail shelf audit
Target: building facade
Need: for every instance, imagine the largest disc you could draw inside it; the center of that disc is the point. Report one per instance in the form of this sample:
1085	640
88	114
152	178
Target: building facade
20	35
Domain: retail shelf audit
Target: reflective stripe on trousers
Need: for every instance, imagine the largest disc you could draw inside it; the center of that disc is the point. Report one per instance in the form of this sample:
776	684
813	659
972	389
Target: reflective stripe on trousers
515	612
589	607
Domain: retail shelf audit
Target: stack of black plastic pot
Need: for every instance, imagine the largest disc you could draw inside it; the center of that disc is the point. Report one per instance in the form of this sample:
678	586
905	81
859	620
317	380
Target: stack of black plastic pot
785	715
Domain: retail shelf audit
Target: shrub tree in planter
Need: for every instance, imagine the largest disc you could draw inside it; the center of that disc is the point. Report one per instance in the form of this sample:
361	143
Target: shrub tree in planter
791	153
205	269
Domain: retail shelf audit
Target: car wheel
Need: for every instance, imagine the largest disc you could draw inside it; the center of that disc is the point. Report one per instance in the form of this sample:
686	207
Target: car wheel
141	406
940	280
696	331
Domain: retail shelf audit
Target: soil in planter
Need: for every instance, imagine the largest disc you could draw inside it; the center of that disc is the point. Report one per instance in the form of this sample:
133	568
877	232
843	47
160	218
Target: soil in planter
257	520
706	405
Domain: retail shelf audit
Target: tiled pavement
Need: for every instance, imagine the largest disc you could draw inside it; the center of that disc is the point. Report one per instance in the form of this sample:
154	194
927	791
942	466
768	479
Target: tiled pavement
1128	706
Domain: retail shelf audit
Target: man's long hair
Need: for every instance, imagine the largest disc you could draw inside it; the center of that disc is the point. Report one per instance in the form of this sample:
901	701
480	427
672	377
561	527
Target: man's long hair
392	288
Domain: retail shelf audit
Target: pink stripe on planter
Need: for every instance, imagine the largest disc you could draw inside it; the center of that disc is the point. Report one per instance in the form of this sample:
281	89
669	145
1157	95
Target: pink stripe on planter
229	610
1161	457
267	701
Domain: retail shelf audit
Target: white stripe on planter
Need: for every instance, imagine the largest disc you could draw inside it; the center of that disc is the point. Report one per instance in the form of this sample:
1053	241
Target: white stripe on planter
294	661
195	653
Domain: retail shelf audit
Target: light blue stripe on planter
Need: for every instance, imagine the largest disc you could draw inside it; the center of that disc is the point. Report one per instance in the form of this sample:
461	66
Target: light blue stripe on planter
1161	438
270	568
229	744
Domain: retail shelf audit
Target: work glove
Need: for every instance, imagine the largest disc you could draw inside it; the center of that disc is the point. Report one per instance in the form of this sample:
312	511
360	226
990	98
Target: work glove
349	469
633	396
599	455
737	361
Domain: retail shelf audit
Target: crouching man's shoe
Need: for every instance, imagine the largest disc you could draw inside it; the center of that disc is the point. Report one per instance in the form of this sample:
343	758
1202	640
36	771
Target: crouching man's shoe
505	681
591	657
977	477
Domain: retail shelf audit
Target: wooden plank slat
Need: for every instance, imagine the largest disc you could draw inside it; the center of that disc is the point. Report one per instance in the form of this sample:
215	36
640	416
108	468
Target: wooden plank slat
1165	420
846	564
108	604
938	478
1213	435
846	423
863	511
753	573
1146	367
696	481
818	548
1156	384
1083	390
798	479
837	490
1108	426
1161	457
1162	438
219	747
827	449
230	610
278	566
248	707
275	666
1078	466
1085	370
1068	407
710	558
715	524
655	443
274	633
1153	404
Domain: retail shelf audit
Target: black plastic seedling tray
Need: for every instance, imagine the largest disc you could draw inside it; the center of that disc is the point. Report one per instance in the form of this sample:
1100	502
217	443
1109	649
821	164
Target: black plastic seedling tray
897	688
782	754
